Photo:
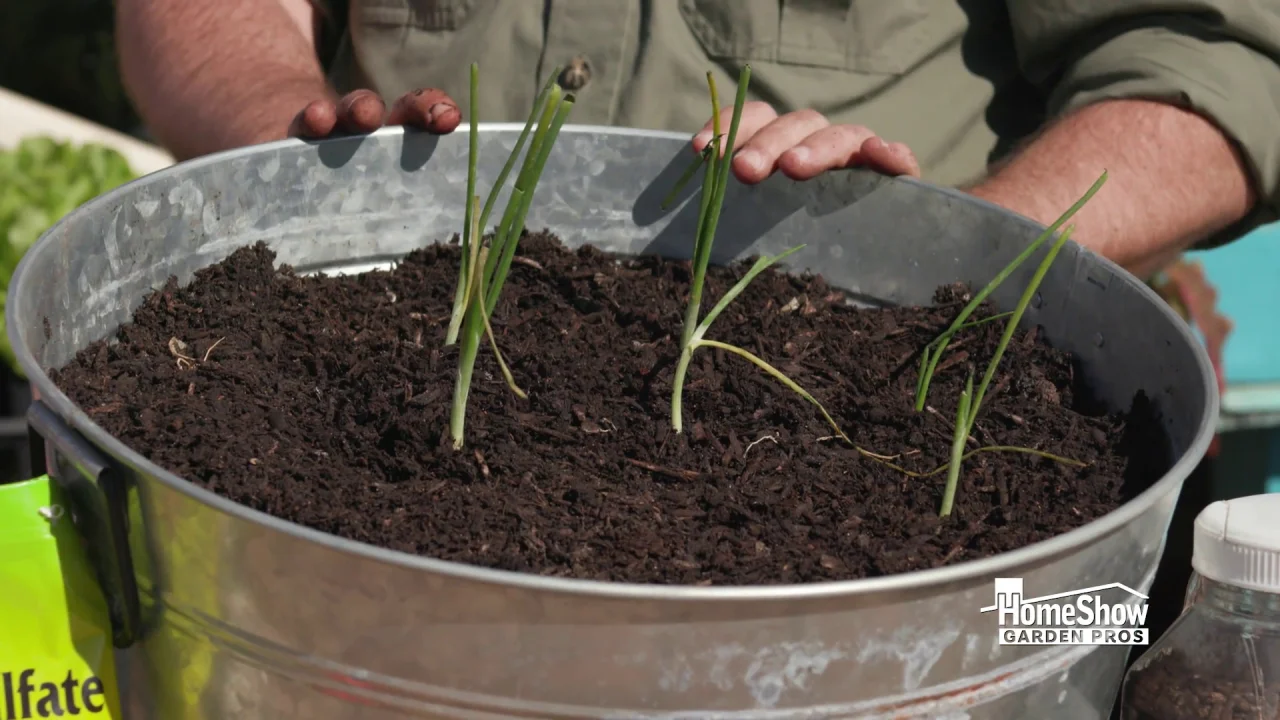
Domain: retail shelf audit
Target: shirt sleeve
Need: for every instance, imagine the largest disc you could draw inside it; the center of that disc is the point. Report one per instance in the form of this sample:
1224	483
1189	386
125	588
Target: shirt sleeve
1216	57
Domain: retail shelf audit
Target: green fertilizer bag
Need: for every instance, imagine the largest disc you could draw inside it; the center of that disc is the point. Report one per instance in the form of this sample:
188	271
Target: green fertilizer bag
56	657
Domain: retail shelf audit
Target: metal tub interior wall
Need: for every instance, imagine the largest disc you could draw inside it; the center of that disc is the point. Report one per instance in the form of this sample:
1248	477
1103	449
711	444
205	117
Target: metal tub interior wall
246	616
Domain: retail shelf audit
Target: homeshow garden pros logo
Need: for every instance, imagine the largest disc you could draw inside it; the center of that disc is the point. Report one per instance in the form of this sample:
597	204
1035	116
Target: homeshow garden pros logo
1075	617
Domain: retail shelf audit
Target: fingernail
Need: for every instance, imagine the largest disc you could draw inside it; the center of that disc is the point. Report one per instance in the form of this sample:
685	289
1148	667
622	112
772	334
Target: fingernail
701	139
799	154
751	159
438	110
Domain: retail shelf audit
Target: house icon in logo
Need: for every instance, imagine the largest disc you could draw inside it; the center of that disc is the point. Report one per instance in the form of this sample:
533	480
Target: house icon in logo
1008	598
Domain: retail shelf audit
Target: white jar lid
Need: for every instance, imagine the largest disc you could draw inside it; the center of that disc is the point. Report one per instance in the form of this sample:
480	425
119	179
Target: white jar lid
1237	542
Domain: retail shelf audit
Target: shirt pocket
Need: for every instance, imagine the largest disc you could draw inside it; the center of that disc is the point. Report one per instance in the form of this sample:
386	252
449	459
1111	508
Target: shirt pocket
869	36
428	15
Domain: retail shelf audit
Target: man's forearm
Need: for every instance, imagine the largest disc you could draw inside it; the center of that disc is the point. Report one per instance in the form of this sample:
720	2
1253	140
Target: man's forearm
208	75
1173	179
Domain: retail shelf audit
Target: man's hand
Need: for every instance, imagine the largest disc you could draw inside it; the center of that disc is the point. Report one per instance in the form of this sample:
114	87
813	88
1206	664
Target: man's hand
209	75
804	144
363	111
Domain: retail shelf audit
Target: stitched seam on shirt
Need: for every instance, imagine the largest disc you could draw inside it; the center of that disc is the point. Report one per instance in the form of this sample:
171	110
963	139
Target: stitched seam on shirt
442	19
884	55
439	20
886	60
385	16
718	46
826	57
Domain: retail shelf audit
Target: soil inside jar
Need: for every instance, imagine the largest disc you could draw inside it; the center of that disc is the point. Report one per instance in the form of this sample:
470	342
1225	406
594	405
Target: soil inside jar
1174	687
325	401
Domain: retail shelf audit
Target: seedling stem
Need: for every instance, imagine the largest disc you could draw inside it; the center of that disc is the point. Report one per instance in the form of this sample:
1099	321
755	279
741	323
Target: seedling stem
957	448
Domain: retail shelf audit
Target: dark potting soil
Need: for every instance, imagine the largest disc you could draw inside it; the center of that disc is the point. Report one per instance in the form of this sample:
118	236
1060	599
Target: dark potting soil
325	401
1175	687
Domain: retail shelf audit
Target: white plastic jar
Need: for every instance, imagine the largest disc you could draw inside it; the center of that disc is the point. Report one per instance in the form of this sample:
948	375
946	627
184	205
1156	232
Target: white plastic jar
1221	659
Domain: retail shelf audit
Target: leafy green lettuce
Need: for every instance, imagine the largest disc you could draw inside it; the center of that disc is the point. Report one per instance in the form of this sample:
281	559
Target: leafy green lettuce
41	180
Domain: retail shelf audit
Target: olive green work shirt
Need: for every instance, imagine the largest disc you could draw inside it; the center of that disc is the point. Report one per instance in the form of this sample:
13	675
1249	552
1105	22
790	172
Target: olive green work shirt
958	81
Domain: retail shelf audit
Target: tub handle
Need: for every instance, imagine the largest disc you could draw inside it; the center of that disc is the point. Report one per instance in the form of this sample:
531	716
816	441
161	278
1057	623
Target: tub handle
97	494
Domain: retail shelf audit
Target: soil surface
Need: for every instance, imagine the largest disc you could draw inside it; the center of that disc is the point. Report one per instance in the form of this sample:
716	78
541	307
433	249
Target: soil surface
1176	687
325	401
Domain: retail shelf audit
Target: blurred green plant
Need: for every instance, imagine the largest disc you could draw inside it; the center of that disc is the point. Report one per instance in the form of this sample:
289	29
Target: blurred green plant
41	180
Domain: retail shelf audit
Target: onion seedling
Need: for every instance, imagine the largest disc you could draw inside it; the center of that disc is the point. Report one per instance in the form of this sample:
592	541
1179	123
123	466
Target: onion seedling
971	401
715	180
544	106
714	183
933	351
483	269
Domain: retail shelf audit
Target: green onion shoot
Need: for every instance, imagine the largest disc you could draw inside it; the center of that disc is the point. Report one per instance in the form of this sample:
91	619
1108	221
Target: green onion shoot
715	180
957	448
971	400
483	268
545	103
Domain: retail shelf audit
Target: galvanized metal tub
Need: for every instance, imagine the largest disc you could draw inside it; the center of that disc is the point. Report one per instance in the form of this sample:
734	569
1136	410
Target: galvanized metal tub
226	612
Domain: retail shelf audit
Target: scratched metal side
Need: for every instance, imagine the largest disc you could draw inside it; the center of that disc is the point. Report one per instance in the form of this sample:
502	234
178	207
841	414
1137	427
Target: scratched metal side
248	616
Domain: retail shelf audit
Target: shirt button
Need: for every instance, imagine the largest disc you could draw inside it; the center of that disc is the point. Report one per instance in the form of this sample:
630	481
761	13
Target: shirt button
576	75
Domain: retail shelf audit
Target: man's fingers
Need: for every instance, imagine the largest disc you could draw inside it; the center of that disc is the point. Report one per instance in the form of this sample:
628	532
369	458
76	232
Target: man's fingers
361	111
840	146
889	158
834	146
317	120
755	115
427	109
758	157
